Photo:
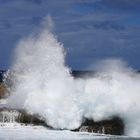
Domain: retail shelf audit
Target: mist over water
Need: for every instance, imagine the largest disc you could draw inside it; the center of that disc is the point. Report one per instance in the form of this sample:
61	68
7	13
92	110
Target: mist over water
42	84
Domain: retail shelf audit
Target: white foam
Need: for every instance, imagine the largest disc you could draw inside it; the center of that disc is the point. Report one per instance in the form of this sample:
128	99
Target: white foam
42	84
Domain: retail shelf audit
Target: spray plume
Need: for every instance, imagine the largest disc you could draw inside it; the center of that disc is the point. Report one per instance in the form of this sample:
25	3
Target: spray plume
42	84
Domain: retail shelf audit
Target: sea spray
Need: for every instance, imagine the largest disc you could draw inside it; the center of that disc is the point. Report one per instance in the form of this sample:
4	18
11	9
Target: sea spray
42	84
114	91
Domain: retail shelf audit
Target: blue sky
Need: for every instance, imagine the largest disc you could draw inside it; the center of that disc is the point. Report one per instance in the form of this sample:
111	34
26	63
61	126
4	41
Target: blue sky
90	30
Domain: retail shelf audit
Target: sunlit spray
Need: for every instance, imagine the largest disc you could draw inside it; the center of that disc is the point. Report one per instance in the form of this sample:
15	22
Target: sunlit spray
42	84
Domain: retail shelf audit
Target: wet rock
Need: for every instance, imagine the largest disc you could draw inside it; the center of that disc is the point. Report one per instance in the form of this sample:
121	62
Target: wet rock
19	116
114	126
2	72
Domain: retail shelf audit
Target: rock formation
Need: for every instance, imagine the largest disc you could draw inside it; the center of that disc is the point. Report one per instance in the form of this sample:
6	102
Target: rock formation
113	126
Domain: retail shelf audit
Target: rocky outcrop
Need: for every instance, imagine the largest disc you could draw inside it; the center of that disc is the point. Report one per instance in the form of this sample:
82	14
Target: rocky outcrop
2	75
114	126
19	116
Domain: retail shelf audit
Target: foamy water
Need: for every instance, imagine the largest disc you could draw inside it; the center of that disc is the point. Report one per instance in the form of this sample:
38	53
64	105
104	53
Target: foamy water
18	132
42	84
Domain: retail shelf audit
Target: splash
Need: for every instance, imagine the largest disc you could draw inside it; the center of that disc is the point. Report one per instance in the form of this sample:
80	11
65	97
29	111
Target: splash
42	84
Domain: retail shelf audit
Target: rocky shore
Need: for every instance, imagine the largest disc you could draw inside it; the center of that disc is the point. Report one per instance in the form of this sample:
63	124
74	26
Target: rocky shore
113	126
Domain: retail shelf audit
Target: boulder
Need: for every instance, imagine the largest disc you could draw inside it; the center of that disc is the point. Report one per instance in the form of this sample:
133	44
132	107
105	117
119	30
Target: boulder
20	116
114	126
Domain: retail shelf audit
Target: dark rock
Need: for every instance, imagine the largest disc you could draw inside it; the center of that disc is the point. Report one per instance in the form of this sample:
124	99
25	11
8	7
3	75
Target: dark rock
114	126
19	116
1	75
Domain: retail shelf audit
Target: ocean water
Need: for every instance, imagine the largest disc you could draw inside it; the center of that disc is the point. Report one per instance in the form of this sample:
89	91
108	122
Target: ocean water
15	131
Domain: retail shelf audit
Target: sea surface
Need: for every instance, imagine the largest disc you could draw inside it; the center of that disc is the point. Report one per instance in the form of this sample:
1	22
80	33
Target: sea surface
14	131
